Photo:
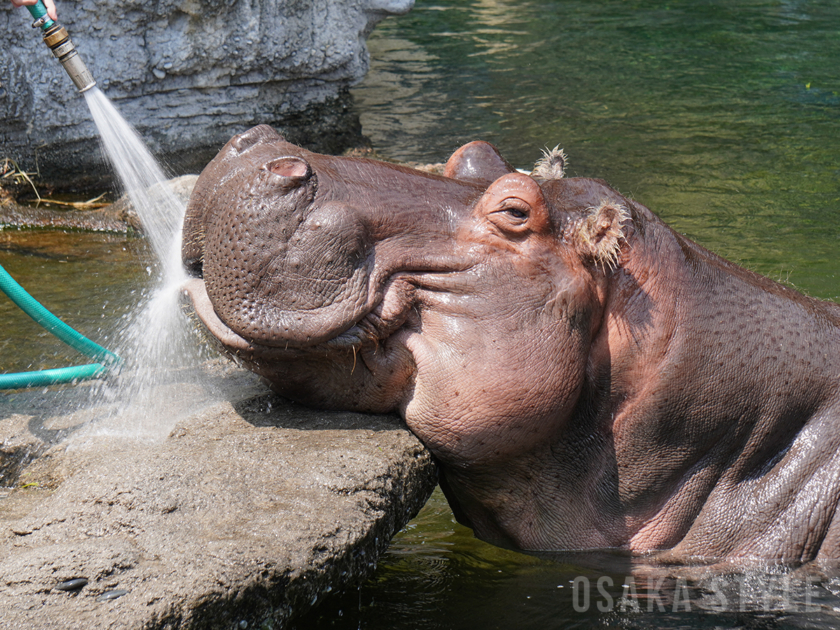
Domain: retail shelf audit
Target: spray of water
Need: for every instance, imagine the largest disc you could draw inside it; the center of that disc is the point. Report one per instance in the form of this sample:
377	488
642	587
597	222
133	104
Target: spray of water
143	180
160	358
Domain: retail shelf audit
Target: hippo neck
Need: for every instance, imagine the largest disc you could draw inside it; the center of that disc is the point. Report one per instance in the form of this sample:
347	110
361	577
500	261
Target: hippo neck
665	443
693	351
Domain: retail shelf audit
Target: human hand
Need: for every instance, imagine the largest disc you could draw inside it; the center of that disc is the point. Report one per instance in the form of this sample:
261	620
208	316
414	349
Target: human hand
48	3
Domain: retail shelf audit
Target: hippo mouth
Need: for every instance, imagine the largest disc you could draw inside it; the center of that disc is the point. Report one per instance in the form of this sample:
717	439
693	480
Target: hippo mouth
375	324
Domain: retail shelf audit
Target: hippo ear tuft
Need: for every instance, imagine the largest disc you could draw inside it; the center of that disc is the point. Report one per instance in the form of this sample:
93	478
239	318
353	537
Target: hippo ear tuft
601	231
552	165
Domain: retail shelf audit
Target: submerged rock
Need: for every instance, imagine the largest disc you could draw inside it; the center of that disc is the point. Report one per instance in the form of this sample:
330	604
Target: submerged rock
248	514
115	217
188	75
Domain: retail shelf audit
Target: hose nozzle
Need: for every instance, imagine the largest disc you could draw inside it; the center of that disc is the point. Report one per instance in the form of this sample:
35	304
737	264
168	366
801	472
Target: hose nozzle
57	39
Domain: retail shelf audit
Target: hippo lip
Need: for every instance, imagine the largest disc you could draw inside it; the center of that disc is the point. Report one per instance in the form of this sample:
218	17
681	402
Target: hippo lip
196	291
380	322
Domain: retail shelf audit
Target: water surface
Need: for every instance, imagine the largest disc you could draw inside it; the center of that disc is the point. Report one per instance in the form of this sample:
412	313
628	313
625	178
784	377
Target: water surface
723	117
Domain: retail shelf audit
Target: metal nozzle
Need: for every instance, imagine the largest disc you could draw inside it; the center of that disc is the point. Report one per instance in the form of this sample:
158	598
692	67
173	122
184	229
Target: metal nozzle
57	39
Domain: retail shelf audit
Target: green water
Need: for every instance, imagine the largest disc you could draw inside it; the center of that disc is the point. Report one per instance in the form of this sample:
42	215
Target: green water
723	117
436	576
90	280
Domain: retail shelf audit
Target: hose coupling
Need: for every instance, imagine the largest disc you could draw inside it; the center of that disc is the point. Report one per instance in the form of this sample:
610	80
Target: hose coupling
57	40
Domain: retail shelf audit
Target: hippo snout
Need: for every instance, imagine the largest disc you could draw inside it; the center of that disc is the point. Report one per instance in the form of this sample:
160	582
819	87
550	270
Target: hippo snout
279	269
296	248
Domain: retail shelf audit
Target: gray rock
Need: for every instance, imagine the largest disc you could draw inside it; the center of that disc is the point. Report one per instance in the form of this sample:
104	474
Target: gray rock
188	74
252	511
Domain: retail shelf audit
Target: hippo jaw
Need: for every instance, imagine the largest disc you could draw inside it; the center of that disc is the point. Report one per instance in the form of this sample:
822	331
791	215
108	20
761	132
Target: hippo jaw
369	367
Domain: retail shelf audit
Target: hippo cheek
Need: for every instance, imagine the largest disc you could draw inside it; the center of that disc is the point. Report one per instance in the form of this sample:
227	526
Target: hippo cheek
485	390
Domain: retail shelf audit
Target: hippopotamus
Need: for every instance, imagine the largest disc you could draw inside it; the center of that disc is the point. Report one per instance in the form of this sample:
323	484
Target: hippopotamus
585	376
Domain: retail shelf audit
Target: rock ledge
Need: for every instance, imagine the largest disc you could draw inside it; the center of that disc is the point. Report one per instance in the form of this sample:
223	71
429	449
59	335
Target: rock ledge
244	517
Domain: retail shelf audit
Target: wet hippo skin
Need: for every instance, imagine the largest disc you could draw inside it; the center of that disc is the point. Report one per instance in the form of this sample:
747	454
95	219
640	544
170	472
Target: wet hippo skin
585	376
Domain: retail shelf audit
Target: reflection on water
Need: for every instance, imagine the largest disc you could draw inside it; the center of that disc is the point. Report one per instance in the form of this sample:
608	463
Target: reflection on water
437	576
724	118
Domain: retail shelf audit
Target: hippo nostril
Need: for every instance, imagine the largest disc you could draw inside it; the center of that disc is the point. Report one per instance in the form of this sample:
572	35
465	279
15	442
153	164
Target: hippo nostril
292	170
254	135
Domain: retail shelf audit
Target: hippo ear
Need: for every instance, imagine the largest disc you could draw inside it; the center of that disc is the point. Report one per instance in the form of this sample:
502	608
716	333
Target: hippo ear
600	232
260	134
514	205
478	162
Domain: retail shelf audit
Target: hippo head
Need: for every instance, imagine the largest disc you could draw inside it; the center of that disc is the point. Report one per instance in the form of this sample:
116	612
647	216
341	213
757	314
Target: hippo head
465	302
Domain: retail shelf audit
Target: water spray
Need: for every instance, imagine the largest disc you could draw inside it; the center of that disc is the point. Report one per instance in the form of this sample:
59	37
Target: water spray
156	341
58	41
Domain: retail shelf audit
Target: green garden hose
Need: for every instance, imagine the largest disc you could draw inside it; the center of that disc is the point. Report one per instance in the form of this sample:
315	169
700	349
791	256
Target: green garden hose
62	331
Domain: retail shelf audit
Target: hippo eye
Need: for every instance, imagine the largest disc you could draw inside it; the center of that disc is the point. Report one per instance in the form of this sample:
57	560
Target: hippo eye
511	214
515	213
514	207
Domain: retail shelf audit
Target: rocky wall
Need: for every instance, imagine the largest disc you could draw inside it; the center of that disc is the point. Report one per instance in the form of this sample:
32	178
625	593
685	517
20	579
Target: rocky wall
188	74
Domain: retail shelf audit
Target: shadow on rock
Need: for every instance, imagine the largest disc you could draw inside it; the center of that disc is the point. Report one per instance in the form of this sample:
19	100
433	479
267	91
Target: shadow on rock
271	410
